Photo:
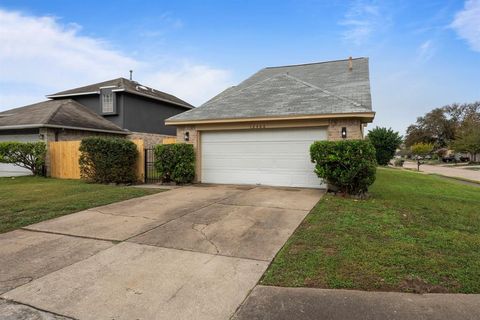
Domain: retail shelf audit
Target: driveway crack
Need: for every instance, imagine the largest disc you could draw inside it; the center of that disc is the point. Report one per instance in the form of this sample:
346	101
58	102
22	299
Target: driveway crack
201	231
121	215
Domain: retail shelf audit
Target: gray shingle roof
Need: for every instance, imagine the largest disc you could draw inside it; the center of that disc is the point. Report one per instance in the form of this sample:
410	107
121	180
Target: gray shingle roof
128	86
56	113
309	89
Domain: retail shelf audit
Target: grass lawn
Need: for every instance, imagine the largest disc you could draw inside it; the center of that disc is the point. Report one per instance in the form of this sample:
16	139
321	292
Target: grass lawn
416	233
27	200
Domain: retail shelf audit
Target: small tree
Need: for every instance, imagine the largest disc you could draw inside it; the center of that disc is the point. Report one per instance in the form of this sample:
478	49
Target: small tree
386	141
28	155
421	150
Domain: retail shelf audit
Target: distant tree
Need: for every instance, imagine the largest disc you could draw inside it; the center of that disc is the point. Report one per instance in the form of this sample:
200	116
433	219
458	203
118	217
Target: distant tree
421	150
435	127
468	140
386	141
441	125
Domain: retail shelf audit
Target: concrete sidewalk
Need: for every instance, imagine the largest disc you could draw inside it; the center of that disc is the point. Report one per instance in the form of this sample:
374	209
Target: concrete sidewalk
446	171
322	304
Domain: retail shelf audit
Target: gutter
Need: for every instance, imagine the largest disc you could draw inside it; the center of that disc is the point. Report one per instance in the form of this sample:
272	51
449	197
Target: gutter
368	115
33	126
72	94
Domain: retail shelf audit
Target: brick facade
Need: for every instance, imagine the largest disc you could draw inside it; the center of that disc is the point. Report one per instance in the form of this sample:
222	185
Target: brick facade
150	139
354	129
50	134
193	137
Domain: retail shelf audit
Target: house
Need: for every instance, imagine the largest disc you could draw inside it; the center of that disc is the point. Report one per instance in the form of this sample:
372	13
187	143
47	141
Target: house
131	106
117	107
52	120
260	131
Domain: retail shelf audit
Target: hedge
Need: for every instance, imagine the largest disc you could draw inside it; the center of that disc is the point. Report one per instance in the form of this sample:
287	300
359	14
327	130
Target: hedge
175	162
28	155
348	165
108	160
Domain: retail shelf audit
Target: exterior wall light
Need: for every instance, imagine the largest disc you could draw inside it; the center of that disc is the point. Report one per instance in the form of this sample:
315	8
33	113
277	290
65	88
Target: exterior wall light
344	132
186	136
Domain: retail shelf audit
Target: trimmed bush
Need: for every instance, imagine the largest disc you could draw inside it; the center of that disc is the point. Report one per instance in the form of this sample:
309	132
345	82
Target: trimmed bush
175	162
349	165
108	160
28	155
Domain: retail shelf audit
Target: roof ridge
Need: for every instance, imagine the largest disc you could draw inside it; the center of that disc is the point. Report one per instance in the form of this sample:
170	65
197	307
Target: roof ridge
355	103
56	110
310	63
244	88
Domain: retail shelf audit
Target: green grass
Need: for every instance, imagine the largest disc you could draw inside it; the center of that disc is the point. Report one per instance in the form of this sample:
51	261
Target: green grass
416	233
27	200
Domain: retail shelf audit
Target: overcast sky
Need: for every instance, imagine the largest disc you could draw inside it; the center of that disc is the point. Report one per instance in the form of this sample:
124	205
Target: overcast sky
423	54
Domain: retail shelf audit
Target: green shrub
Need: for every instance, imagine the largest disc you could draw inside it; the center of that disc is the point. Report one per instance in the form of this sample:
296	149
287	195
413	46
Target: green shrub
175	162
28	155
385	141
398	162
348	165
108	160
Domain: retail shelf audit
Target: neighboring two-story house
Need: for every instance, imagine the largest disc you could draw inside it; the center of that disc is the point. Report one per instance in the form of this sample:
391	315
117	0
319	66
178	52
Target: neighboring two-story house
130	105
118	107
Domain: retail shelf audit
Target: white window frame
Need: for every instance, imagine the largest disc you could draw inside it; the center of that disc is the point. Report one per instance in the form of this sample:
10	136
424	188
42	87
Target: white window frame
107	102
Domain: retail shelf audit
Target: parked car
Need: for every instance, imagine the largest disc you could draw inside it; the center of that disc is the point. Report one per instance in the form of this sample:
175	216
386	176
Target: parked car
449	158
455	158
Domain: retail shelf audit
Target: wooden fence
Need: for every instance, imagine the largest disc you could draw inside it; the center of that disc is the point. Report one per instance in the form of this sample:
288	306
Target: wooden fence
64	156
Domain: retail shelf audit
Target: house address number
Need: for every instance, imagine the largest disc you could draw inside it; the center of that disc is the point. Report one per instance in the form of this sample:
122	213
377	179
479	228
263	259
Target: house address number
258	126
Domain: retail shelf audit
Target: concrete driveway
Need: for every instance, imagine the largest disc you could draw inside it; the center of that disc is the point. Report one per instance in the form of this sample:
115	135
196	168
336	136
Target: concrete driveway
188	253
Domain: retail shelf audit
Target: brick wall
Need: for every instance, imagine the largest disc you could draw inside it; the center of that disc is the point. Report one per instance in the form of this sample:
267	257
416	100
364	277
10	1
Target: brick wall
150	139
192	135
354	129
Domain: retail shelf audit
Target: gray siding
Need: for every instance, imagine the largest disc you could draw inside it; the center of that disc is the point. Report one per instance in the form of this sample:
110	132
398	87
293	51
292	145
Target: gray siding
148	115
136	113
93	102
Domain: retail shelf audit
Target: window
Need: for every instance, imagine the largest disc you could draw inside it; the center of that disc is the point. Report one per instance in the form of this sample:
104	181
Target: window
107	102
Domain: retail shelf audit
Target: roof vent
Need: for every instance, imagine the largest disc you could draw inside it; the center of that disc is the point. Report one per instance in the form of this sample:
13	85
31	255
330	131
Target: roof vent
141	87
350	64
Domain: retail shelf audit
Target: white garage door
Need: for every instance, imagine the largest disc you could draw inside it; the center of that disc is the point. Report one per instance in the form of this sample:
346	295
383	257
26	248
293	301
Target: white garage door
10	170
274	157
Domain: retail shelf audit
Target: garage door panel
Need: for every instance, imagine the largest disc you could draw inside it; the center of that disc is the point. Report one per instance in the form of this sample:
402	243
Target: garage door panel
278	157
